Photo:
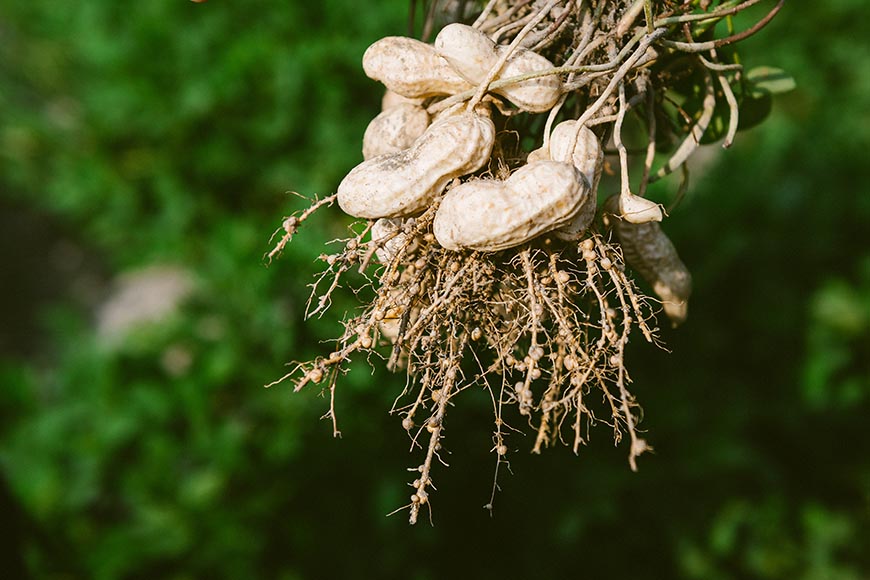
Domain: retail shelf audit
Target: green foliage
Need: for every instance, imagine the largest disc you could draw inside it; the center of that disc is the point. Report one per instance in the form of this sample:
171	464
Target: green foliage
769	80
837	372
168	132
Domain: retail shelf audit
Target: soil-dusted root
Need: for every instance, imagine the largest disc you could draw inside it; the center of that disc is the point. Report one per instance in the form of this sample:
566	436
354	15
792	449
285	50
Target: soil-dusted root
542	328
649	251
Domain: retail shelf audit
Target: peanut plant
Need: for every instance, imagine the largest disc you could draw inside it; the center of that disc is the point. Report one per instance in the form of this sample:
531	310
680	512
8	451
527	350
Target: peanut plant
492	263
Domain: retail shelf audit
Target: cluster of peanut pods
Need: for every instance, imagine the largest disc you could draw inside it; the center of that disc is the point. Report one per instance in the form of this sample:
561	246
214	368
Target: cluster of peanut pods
410	157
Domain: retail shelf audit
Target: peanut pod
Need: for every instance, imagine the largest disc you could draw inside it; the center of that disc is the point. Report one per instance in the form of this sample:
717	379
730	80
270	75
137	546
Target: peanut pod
639	210
391	99
649	252
390	234
580	147
394	129
407	182
391	324
411	68
472	54
492	215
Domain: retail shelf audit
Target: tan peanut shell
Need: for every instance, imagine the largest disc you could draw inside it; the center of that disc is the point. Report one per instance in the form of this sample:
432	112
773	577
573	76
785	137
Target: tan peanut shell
407	182
394	129
539	154
578	225
391	324
469	51
639	210
580	147
411	68
472	54
649	251
391	99
493	215
389	328
390	235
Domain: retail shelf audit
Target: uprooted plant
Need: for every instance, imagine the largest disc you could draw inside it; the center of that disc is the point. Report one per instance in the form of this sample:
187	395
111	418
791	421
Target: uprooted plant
493	265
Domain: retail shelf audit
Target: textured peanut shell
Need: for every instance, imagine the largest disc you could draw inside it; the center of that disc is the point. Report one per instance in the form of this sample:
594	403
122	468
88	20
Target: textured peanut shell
649	251
539	154
390	233
411	68
394	129
469	51
639	210
391	99
580	147
578	225
494	215
391	324
407	182
472	54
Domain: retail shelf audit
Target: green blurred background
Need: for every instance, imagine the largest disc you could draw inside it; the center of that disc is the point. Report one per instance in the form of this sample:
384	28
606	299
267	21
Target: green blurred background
146	154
